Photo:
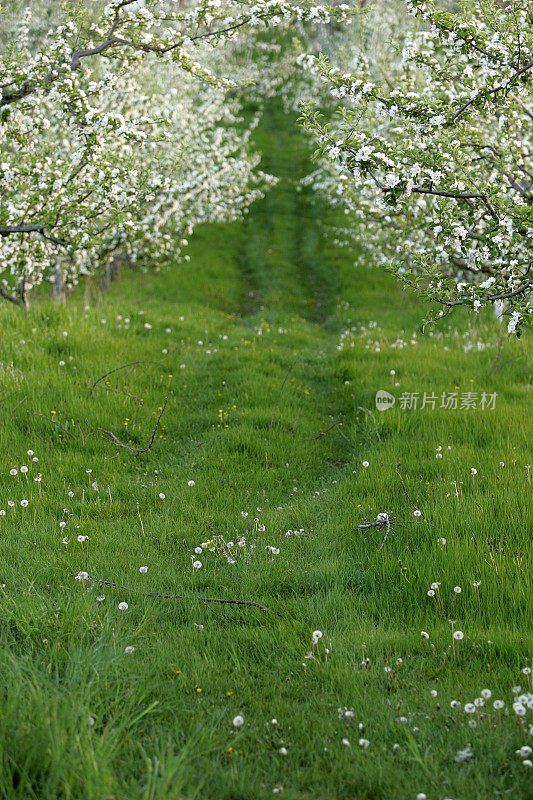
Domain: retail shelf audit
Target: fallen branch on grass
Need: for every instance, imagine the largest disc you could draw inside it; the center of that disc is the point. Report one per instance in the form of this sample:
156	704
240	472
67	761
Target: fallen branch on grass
386	522
323	433
117	369
248	603
137	450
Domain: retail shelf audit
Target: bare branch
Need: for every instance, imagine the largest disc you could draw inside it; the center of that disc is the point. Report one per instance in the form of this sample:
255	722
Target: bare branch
248	603
136	450
117	369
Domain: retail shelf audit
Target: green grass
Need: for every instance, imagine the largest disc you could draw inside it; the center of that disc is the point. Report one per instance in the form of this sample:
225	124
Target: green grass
257	295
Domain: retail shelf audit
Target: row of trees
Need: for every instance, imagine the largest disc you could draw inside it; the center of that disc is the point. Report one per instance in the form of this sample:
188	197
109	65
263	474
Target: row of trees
120	131
431	151
117	135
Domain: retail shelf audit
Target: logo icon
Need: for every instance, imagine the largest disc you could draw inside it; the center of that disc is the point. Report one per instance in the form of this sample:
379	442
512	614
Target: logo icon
384	400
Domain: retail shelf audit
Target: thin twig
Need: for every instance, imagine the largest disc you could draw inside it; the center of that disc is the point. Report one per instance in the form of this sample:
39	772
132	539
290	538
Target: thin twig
136	450
249	603
323	433
53	421
117	369
282	386
405	490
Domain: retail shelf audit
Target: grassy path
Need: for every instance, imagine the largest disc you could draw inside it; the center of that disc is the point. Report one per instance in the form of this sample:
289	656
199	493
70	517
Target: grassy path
82	718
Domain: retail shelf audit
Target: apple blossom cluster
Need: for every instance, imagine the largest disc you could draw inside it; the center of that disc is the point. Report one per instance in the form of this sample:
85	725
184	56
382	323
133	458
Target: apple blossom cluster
114	140
431	151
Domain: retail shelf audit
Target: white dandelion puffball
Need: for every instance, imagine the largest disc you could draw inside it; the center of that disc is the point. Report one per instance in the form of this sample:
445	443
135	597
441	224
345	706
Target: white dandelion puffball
457	589
190	483
238	721
24	469
129	649
417	513
458	635
282	751
366	464
23	503
123	606
473	471
161	496
143	570
197	565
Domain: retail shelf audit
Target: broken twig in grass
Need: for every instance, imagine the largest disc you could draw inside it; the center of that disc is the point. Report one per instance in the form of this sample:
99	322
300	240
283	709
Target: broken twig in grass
387	522
137	450
282	386
323	433
117	369
247	603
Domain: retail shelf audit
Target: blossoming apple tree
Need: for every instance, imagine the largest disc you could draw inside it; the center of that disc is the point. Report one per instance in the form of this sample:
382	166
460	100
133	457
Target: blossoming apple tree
116	135
432	150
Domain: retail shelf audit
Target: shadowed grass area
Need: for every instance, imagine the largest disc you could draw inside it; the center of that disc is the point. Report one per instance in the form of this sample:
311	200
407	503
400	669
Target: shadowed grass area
269	346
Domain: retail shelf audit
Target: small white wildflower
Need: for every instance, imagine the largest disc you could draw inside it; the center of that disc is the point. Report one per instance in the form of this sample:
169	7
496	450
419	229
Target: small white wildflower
464	755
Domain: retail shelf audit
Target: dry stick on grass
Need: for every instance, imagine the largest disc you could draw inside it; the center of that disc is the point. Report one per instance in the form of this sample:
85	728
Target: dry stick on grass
283	385
248	603
323	433
405	491
117	369
388	523
137	450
